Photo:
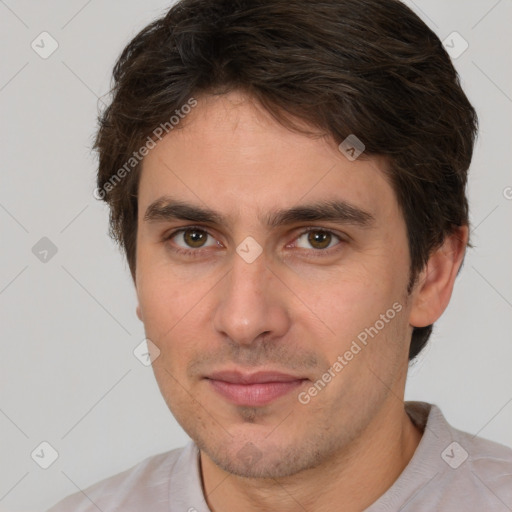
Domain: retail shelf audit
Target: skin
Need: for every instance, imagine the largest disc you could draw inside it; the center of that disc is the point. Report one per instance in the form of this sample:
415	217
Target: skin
294	309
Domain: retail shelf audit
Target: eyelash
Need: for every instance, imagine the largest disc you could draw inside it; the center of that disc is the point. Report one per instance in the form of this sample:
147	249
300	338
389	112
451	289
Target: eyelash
198	252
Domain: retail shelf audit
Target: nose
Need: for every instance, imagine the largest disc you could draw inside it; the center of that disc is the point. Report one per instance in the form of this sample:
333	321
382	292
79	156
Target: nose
251	302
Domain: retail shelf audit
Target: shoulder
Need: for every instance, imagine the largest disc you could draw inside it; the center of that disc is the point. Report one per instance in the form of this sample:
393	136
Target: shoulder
471	473
450	470
488	465
144	484
476	475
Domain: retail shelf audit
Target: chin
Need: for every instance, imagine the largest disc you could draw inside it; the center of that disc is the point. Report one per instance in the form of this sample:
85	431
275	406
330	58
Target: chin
261	459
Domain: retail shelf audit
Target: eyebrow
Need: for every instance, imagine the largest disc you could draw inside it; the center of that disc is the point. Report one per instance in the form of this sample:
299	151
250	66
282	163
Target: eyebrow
168	209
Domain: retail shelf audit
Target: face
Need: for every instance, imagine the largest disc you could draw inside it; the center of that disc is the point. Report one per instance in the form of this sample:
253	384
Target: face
282	325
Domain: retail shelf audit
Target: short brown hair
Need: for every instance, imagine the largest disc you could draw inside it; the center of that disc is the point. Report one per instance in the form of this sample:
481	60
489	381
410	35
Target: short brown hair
370	68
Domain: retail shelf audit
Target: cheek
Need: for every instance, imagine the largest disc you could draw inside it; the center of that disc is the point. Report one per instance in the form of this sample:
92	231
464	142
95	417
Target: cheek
176	307
169	306
163	297
347	299
368	325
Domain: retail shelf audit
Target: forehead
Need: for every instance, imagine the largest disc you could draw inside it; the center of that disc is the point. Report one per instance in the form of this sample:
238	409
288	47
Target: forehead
231	155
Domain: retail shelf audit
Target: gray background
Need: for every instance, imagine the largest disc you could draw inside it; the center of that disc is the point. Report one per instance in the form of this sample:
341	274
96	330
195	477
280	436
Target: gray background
67	372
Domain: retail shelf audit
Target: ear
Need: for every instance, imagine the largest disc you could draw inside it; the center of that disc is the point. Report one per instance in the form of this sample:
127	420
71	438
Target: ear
434	286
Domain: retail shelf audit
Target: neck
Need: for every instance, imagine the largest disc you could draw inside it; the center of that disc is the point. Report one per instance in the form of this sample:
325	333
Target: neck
353	477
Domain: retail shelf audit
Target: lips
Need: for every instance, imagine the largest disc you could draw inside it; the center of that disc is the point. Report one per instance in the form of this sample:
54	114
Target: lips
255	389
236	377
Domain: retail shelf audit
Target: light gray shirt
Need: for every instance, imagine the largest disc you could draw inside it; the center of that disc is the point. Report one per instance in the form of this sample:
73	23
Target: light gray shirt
449	471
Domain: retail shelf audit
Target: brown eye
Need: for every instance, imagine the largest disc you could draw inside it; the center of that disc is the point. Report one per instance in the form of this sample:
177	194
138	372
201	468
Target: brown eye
194	237
191	241
319	239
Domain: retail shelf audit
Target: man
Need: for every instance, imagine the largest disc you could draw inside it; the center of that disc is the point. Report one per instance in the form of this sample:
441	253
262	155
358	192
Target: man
287	179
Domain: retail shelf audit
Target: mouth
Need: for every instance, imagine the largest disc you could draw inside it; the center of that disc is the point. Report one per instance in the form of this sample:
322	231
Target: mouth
256	389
